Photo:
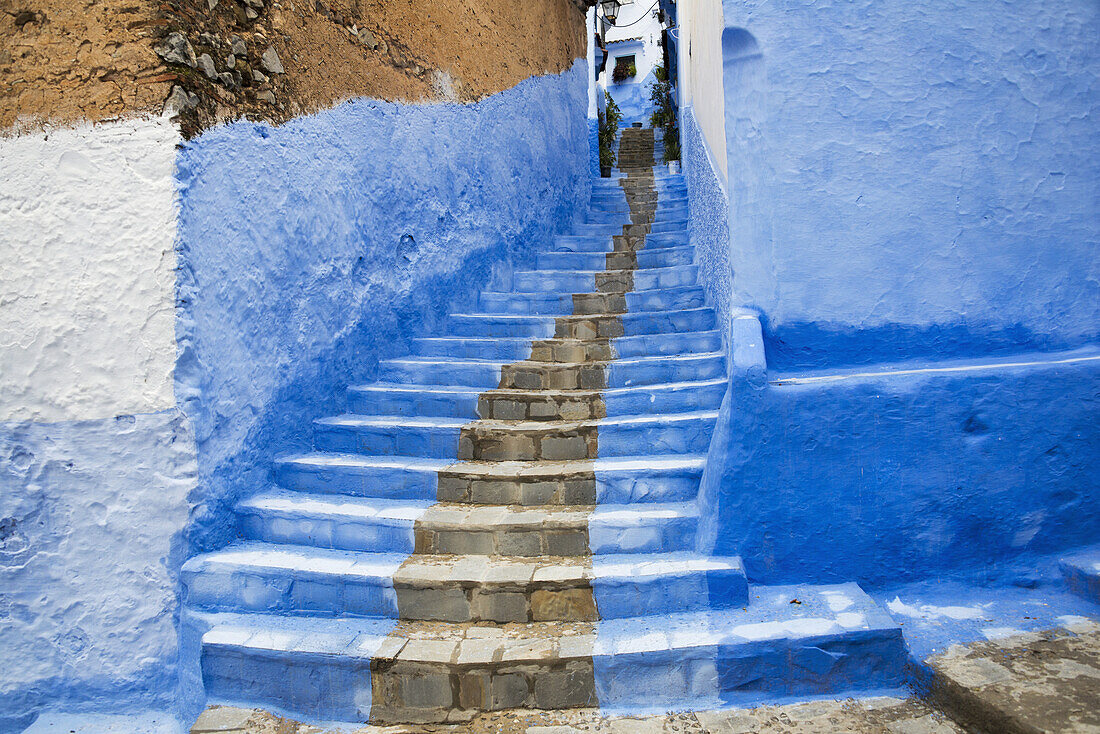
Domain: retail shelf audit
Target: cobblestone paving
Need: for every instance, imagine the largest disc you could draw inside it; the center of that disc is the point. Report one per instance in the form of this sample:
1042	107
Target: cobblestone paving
865	716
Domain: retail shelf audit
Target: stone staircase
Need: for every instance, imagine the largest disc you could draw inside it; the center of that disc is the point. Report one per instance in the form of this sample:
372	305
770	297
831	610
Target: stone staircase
507	518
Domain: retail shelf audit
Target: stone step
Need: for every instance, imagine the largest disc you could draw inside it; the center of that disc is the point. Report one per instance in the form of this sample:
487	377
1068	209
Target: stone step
508	349
566	589
575	281
320	667
260	577
531	375
504	404
592	326
512	530
405	526
615	480
659	258
551	303
387	398
670	433
418	376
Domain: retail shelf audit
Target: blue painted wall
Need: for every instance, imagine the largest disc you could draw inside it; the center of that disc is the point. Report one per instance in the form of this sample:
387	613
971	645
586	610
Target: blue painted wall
914	178
90	546
311	250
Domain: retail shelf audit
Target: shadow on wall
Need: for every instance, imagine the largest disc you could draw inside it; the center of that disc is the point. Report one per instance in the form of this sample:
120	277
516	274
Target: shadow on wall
310	251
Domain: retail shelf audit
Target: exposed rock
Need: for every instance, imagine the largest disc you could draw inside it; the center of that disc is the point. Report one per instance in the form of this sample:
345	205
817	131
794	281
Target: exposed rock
209	39
251	14
230	79
367	39
238	47
206	64
266	96
231	61
176	49
211	4
259	77
257	4
180	100
25	16
271	62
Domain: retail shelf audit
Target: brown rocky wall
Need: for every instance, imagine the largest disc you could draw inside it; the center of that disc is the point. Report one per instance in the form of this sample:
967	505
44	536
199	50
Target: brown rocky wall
64	61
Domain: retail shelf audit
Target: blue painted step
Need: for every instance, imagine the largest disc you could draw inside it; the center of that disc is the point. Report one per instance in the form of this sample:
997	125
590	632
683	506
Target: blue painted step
657	258
473	347
573	281
619	480
674	397
394	477
314	666
382	398
1082	573
541	327
365	524
441	371
514	349
834	641
381	435
425	371
599	243
552	303
325	521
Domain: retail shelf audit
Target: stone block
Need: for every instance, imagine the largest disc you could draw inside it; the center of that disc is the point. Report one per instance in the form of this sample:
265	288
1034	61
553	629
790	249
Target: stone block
571	605
427	690
464	542
473	690
567	542
570	688
516	543
490	492
441	605
501	606
561	448
537	493
509	691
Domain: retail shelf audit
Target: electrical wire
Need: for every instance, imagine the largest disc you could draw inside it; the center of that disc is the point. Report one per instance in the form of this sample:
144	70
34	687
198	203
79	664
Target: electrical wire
640	19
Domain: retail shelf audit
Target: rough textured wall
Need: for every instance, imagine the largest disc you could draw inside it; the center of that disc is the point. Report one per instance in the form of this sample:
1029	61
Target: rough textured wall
915	178
708	227
87	289
91	513
61	63
313	249
965	470
95	462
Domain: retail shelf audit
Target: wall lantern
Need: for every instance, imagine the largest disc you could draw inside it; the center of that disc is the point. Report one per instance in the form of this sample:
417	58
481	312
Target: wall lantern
610	9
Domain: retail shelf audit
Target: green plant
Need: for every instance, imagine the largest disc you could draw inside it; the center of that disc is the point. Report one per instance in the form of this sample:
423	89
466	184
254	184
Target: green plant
623	70
664	113
609	129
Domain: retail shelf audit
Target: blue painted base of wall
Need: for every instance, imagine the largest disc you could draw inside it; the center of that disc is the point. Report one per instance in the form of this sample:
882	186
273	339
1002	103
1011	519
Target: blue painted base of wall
1082	573
945	469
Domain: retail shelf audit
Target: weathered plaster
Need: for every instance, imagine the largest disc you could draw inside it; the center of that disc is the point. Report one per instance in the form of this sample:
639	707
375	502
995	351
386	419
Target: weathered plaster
87	229
90	542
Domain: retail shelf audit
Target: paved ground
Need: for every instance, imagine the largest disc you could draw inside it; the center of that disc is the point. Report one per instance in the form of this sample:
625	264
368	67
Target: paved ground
867	716
1034	682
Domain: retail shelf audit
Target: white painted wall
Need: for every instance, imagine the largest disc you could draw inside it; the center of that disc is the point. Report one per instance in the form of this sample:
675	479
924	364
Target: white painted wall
701	23
87	283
